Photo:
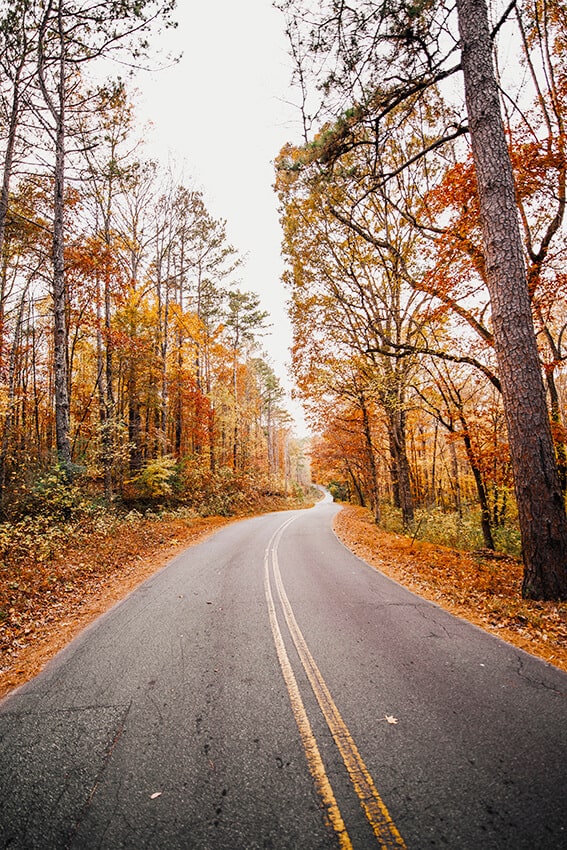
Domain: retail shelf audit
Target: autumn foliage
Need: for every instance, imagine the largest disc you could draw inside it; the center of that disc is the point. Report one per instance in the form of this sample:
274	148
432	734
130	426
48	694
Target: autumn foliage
395	348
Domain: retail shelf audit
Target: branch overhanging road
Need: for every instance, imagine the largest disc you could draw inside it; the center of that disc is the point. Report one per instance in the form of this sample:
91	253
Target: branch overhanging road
268	689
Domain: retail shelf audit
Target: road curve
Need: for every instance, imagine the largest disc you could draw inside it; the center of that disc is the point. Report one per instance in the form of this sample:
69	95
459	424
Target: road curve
268	689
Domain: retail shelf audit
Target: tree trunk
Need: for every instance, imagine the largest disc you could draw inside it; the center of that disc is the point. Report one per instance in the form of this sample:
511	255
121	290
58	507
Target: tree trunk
456	483
62	418
374	490
397	440
557	423
11	403
480	489
104	414
134	423
541	508
57	108
9	153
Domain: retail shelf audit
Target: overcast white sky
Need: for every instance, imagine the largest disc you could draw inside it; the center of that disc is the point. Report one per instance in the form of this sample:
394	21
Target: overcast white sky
224	113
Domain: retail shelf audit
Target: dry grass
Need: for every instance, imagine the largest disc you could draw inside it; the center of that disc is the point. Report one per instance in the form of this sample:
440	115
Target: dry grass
483	588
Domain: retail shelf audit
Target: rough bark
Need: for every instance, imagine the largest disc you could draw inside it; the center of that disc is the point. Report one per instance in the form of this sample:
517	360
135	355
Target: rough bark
400	466
541	508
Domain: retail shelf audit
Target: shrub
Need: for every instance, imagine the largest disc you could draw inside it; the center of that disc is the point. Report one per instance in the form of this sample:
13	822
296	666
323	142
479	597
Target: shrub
339	491
52	496
157	478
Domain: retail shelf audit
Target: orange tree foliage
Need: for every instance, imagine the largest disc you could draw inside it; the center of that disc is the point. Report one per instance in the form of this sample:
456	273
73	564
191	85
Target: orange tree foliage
163	394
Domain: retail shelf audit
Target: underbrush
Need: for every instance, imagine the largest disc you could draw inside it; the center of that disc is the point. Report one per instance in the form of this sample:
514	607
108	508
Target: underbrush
457	531
54	512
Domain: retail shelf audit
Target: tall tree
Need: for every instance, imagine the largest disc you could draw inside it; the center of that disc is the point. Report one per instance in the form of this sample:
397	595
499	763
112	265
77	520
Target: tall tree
244	321
70	36
541	507
387	60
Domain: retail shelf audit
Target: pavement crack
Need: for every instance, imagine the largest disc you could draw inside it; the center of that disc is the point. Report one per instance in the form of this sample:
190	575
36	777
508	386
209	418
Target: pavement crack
105	762
536	683
427	612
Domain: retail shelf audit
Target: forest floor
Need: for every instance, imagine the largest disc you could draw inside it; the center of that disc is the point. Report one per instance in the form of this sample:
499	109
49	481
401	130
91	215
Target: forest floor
481	587
51	603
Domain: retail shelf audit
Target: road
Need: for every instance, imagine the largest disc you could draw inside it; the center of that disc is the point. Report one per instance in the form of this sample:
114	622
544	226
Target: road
268	689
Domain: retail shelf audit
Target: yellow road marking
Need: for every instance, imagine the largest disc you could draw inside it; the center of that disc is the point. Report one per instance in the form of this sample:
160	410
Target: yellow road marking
314	760
374	807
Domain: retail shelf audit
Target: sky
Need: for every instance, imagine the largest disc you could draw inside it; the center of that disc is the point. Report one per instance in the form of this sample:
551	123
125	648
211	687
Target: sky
222	113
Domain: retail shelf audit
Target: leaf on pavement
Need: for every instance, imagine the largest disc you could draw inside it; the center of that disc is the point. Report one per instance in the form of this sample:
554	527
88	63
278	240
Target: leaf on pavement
391	719
155	794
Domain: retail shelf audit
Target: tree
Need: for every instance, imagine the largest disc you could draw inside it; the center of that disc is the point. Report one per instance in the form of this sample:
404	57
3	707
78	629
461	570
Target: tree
108	165
388	61
68	38
16	51
541	507
244	322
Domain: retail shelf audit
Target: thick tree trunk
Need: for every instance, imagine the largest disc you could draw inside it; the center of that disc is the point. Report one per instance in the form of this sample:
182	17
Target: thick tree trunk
398	451
541	508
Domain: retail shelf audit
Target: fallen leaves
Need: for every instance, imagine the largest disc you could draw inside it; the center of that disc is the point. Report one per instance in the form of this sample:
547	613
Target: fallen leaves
41	611
391	719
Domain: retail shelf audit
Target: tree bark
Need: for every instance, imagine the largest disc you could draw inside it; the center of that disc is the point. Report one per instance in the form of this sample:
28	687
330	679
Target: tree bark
541	508
57	107
400	465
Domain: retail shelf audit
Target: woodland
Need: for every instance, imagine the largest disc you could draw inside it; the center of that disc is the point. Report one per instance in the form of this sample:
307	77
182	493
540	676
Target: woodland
423	228
135	395
424	236
131	364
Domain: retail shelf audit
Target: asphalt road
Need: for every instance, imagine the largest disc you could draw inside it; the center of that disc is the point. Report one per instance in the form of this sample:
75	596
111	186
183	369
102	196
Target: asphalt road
268	689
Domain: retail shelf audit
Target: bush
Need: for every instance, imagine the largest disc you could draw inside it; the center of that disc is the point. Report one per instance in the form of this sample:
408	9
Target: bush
52	496
157	479
339	491
451	529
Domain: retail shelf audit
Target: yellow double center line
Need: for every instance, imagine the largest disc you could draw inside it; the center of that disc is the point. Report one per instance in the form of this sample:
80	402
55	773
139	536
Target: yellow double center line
384	829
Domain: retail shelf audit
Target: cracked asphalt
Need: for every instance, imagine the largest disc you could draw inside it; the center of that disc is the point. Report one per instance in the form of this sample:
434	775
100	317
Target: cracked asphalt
167	723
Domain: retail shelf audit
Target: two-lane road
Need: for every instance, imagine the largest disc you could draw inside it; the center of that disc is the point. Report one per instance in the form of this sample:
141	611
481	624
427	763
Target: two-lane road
268	689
